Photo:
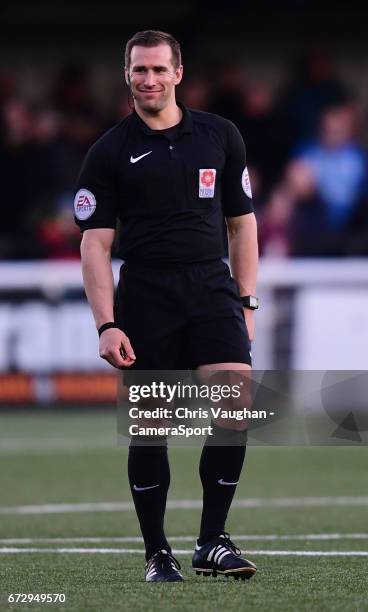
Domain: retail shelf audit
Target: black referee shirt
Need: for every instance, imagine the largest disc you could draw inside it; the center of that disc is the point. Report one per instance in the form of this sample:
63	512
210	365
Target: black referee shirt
170	189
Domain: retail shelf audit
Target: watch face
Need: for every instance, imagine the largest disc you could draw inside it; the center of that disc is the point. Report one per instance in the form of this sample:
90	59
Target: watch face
250	301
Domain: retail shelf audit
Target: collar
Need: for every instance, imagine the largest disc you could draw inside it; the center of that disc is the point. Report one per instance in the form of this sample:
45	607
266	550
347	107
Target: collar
185	126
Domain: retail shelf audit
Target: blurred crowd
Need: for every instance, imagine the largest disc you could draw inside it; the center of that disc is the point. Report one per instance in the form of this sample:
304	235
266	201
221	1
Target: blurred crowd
305	145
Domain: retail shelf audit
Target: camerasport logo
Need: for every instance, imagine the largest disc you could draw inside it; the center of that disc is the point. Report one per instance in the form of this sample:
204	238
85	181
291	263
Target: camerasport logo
84	204
207	179
246	183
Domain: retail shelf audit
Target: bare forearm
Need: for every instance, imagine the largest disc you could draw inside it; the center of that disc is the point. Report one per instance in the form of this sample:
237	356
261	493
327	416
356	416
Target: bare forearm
243	253
98	282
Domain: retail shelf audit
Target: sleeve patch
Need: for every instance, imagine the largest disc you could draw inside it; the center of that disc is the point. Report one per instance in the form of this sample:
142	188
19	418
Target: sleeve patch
84	204
245	180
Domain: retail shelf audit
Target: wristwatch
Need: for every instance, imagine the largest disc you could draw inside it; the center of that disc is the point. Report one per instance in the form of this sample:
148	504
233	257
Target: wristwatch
250	301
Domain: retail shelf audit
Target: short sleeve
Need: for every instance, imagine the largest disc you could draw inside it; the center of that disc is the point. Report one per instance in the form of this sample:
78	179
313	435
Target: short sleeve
236	193
96	197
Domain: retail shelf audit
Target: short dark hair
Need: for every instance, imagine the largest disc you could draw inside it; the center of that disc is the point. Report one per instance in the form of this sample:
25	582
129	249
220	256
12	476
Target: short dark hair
153	38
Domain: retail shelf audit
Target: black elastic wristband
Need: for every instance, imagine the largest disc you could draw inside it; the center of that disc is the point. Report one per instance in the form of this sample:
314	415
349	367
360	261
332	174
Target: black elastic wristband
105	326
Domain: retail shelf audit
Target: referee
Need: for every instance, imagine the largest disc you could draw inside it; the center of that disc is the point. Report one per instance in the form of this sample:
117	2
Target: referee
171	175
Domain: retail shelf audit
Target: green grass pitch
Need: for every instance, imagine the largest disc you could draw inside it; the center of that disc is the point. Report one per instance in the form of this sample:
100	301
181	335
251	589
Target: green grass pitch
65	458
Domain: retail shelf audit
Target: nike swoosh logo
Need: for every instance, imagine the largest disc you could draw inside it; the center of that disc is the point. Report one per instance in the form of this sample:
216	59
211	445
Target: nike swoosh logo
223	482
133	160
144	488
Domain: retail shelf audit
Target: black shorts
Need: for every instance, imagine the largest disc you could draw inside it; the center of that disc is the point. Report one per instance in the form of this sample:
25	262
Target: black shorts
181	318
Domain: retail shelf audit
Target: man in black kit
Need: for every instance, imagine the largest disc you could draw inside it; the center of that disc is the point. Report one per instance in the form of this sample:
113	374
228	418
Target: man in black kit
171	175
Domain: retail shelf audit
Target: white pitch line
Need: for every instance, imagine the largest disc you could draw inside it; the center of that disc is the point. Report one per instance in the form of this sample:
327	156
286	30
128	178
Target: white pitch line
189	504
20	446
123	551
5	550
310	553
139	540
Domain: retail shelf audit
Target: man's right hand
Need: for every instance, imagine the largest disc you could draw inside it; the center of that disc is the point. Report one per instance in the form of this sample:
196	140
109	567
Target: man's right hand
115	347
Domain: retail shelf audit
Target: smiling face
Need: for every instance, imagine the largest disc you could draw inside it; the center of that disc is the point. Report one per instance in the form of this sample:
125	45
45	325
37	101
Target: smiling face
153	77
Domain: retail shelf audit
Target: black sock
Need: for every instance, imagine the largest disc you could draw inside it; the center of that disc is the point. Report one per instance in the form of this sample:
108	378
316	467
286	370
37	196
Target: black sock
148	466
221	460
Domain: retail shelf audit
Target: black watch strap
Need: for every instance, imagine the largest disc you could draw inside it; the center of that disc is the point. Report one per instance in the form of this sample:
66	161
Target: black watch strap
109	325
250	301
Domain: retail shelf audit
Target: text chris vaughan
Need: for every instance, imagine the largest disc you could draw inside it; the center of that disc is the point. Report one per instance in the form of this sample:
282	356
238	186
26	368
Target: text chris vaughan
199	413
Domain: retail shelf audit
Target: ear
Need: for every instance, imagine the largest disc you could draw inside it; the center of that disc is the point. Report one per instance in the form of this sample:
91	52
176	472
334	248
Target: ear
127	78
178	75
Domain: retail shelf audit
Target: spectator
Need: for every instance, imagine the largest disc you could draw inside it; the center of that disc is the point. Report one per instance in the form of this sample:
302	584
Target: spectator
295	220
338	166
